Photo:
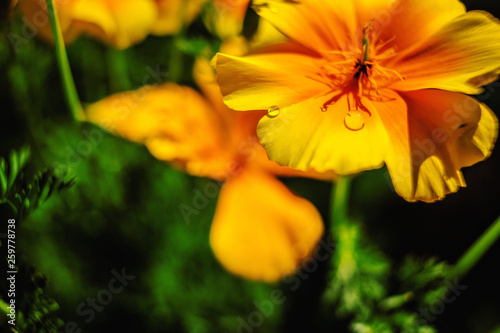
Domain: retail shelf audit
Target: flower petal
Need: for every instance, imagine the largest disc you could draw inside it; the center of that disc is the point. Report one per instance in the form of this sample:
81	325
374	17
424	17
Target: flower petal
176	124
318	25
303	137
336	25
119	23
260	230
174	14
35	12
225	18
407	22
453	58
276	78
446	131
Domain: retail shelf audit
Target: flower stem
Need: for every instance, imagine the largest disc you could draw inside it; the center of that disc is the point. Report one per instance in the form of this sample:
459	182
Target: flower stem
3	307
340	197
476	251
176	56
62	60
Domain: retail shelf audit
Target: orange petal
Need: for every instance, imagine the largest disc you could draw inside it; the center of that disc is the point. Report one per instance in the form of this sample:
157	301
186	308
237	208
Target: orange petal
440	133
176	123
262	231
276	78
334	25
454	58
406	22
304	137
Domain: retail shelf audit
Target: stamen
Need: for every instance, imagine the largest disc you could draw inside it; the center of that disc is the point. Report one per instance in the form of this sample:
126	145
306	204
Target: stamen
357	72
365	43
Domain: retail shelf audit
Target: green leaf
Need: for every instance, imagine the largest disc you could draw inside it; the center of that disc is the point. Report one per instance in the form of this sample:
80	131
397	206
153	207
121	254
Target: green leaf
3	182
13	168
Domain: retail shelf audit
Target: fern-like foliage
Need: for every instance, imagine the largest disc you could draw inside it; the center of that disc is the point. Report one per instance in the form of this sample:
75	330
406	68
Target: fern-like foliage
20	195
359	290
36	312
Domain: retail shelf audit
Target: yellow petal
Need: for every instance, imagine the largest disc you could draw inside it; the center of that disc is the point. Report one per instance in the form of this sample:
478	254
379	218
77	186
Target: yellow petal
257	82
261	231
445	132
118	23
265	35
176	124
453	58
304	137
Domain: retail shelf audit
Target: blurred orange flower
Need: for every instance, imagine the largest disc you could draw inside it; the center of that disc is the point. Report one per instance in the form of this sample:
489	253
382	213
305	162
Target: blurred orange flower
260	230
367	82
115	22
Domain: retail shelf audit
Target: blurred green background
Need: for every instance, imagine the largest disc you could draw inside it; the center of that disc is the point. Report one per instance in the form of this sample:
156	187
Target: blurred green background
122	211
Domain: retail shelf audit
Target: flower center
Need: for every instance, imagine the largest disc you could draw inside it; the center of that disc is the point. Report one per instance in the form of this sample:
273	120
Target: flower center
358	71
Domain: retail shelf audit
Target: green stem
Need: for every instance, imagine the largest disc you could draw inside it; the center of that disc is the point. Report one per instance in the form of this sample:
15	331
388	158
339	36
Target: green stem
476	251
176	56
62	60
3	307
340	197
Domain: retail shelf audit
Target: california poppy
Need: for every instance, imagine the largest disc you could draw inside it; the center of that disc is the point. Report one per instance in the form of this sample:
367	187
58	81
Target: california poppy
260	230
361	83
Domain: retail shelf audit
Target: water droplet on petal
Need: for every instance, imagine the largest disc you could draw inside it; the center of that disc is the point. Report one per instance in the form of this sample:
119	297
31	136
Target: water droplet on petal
354	120
273	111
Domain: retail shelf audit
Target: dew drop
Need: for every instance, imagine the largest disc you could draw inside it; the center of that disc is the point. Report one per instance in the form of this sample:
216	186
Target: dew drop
354	120
273	111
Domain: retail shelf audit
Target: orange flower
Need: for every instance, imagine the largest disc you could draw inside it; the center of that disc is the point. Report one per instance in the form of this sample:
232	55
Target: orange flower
115	22
260	229
367	82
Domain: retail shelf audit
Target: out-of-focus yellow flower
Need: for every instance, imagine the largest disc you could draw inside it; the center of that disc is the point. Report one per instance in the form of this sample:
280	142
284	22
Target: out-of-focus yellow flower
260	230
116	22
173	14
364	82
225	17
